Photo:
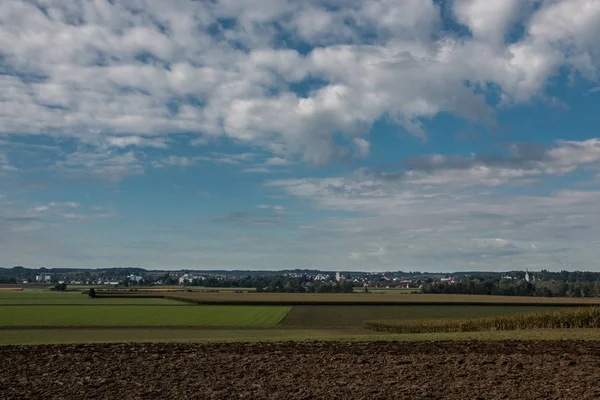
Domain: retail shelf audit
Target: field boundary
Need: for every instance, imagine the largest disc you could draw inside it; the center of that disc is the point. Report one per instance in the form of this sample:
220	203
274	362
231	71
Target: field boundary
185	304
372	303
146	327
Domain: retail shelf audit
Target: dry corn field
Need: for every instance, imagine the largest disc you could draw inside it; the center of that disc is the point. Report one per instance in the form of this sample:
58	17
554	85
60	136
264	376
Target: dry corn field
588	317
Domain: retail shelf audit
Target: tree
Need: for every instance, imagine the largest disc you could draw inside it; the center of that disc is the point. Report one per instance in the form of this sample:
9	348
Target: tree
60	287
92	293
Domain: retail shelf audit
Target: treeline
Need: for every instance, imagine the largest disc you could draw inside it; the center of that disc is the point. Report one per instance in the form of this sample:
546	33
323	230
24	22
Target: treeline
501	287
277	284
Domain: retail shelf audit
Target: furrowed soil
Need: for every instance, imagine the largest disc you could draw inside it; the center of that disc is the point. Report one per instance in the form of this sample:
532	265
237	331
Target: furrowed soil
304	370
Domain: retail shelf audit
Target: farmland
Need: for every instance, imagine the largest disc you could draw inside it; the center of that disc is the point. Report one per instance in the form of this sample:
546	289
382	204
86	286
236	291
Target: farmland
341	316
384	370
123	315
205	316
259	345
46	297
588	317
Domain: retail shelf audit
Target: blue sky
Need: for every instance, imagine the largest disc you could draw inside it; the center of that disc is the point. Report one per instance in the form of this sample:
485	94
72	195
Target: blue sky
341	135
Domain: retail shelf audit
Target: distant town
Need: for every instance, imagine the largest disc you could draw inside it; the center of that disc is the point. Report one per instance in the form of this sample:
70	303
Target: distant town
518	283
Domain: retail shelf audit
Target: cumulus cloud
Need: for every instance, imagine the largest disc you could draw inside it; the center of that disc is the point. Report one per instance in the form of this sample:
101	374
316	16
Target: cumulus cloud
446	212
525	161
362	147
128	76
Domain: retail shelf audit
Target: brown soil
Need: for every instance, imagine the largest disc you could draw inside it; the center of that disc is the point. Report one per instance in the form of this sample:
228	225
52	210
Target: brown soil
322	370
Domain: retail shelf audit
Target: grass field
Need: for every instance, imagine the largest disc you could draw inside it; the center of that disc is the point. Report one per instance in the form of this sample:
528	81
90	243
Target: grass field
43	297
54	315
341	316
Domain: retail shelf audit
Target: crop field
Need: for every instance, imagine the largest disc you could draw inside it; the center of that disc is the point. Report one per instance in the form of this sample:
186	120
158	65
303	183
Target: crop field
340	316
387	290
124	315
587	317
44	316
46	297
341	370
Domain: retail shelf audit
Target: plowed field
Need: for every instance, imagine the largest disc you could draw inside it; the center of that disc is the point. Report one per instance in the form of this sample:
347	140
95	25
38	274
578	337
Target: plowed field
323	370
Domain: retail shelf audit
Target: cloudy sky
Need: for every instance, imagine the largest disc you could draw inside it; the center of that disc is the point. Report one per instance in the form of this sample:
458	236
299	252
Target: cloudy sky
431	135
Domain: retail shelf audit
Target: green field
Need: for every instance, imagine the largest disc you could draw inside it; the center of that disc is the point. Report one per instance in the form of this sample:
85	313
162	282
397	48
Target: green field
340	316
47	297
54	315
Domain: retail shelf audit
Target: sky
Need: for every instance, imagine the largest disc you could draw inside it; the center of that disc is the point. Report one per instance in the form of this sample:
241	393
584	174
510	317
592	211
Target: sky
381	135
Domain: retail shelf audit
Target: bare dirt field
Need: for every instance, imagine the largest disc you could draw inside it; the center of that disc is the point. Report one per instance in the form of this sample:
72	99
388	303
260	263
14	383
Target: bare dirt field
315	370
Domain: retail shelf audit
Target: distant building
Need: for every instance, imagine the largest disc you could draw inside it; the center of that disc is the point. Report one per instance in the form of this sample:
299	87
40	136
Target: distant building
134	278
527	275
43	278
338	277
186	278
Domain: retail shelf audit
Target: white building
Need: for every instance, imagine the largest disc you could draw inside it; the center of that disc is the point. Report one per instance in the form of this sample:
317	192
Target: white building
186	277
134	278
43	278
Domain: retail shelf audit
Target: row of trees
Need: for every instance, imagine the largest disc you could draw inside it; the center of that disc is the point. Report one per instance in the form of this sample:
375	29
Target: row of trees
501	287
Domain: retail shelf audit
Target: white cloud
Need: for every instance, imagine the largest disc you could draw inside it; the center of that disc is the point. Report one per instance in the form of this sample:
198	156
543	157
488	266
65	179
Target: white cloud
274	208
129	76
54	205
73	216
257	170
178	161
68	204
448	215
362	147
574	153
138	141
357	256
224	158
277	161
108	165
5	164
40	209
